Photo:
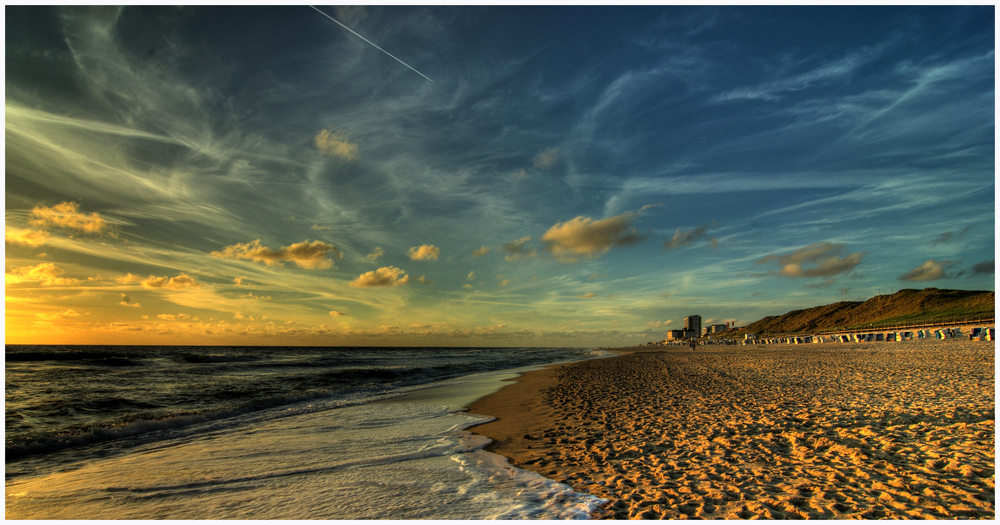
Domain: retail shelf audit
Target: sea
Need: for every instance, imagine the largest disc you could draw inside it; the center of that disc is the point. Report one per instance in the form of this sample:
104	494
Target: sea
153	432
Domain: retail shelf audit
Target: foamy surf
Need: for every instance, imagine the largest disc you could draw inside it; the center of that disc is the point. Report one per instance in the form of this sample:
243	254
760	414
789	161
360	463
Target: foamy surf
403	458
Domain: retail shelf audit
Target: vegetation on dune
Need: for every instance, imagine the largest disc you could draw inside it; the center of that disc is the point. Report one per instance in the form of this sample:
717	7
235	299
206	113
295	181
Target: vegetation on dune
903	307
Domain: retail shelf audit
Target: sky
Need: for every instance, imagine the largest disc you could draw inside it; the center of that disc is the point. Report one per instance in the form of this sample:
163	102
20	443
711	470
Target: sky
485	176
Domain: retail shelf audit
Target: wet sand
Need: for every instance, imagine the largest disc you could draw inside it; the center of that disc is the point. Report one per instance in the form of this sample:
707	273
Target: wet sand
820	431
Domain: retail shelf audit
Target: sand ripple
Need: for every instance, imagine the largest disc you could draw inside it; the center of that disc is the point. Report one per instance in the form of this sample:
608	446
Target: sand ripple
826	431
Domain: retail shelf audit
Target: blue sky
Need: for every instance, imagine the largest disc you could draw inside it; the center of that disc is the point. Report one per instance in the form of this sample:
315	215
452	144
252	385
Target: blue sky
552	176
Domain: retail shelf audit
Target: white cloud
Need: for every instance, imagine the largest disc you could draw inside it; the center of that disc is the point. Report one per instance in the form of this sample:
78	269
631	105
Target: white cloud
181	282
26	237
67	215
424	252
305	254
46	274
816	260
386	276
930	270
336	144
583	236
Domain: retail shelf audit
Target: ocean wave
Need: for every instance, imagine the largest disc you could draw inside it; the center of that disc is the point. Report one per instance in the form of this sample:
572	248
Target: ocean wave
77	355
48	443
136	425
218	358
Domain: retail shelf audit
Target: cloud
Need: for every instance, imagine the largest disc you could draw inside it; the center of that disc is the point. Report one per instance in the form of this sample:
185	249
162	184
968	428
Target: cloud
180	282
947	237
58	315
335	144
479	252
518	249
66	215
128	279
386	276
253	297
424	280
546	159
335	313
984	268
305	254
823	258
588	295
127	301
471	276
26	237
682	238
825	284
242	317
375	254
350	14
424	252
238	281
583	236
930	270
47	274
173	317
831	72
319	228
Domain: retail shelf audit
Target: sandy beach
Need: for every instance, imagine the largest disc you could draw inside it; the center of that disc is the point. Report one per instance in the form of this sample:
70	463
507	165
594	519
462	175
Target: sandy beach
821	431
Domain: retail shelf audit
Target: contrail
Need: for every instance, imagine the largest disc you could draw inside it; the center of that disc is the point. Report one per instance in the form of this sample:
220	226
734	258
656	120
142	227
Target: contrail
370	42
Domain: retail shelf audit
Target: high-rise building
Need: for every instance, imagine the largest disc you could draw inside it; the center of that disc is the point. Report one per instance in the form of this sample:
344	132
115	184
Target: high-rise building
692	323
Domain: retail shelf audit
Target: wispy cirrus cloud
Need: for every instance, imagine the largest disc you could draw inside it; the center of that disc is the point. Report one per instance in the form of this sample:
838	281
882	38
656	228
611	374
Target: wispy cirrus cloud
546	159
832	71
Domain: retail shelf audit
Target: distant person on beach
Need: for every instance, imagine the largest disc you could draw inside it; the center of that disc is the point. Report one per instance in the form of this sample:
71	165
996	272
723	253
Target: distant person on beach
693	344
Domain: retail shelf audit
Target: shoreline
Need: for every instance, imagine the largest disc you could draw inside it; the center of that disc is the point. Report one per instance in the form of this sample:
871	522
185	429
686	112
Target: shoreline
826	431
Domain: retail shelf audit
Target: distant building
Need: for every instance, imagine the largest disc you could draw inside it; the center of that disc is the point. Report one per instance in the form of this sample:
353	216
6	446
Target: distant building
692	323
676	335
716	328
